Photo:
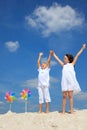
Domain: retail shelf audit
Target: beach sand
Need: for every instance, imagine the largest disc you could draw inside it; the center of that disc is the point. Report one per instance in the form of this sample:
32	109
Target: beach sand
51	121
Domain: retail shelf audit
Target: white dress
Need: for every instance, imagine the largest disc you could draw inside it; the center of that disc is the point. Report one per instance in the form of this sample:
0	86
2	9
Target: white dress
69	81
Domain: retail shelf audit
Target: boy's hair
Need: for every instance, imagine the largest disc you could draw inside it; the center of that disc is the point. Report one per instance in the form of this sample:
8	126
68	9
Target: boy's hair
70	58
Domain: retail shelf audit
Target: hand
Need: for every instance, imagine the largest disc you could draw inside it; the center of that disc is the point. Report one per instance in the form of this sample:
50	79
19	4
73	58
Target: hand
40	54
84	46
51	52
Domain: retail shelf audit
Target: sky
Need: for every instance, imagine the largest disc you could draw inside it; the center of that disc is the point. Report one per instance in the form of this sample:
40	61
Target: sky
30	27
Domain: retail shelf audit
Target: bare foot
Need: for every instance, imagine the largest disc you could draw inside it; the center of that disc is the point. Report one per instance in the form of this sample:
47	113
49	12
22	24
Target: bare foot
39	112
47	111
62	112
72	112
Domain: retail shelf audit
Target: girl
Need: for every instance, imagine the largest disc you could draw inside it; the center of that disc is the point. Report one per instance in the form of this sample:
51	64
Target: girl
69	82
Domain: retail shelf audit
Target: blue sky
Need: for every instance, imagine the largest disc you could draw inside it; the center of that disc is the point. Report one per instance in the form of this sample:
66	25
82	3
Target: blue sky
29	27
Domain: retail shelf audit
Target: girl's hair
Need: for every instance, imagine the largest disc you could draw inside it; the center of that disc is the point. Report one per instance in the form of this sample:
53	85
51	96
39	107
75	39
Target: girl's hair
70	57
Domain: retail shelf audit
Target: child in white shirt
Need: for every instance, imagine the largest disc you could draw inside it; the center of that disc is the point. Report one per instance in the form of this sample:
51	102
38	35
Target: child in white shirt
43	82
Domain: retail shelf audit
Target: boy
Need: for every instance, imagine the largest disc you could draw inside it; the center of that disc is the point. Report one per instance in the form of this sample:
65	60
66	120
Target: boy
43	82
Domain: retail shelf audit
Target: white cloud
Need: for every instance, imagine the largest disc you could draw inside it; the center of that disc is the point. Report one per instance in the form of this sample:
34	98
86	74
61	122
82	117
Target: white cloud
54	19
34	82
31	83
53	80
52	63
12	46
1	103
81	96
44	60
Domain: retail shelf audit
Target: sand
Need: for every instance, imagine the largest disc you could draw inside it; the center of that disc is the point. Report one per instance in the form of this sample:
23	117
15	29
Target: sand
51	121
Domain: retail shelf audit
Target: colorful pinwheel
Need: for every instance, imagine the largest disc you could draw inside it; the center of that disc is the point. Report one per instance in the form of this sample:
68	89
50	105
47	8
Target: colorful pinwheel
10	97
25	94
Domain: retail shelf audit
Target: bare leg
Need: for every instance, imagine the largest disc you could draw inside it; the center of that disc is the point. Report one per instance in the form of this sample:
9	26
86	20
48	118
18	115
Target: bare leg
70	95
47	98
40	108
47	107
64	101
40	92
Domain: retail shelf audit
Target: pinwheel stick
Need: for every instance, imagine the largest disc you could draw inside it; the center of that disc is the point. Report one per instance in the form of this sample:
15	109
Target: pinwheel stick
26	105
10	107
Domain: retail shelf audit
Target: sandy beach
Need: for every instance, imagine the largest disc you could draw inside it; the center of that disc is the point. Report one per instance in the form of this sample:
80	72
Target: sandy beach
51	121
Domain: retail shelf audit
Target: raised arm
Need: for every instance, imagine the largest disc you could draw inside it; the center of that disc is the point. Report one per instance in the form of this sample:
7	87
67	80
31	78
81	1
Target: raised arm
58	59
49	58
39	59
78	54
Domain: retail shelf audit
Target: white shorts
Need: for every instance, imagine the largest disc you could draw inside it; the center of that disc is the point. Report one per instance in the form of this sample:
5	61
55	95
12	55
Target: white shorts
43	92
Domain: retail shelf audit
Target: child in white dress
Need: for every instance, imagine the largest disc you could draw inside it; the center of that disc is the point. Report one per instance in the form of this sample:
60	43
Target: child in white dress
69	83
43	82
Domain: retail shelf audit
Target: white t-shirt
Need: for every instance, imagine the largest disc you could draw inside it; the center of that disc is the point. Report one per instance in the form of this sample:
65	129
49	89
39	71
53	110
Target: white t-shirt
43	77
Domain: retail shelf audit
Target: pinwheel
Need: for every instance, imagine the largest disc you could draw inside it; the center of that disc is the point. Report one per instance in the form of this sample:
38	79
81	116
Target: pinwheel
10	97
25	94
